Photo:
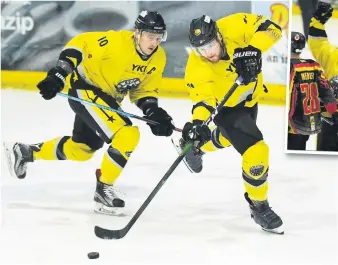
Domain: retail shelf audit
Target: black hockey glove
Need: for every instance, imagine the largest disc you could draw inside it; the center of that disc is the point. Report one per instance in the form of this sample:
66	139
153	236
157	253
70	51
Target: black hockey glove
165	126
196	131
248	63
323	12
53	83
335	119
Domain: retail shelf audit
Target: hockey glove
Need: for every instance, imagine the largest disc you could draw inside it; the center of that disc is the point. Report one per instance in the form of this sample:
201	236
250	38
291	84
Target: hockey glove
335	119
323	12
248	63
196	131
165	126
53	83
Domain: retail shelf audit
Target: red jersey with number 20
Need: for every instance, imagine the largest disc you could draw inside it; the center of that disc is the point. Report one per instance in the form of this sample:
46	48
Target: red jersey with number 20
308	89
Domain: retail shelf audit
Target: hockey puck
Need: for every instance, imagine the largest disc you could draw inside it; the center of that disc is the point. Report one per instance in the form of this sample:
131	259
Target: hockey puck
93	255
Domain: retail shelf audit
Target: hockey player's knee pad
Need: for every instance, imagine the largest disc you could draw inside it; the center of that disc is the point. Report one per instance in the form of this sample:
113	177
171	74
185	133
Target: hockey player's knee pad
76	151
115	159
255	163
218	141
126	139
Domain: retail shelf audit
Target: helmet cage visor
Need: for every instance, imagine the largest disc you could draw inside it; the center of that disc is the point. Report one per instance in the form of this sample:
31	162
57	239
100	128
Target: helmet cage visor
206	48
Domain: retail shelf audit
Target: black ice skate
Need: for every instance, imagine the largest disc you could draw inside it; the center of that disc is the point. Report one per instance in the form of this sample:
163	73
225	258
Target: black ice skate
193	159
107	199
264	216
17	156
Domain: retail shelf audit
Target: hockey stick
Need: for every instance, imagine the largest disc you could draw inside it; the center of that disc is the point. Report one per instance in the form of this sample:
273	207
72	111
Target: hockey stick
120	233
327	121
123	113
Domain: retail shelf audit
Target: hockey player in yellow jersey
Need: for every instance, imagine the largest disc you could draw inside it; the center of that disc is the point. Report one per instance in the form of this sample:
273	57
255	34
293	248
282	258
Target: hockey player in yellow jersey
326	54
221	53
104	67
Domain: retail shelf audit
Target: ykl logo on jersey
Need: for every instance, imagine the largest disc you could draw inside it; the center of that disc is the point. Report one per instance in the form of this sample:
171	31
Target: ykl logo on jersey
143	69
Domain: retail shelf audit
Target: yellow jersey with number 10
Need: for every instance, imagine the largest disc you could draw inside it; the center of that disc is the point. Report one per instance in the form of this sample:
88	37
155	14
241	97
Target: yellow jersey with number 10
108	60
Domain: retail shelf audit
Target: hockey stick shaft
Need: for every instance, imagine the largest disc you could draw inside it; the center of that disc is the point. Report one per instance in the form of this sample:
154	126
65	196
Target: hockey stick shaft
123	113
117	234
224	100
327	121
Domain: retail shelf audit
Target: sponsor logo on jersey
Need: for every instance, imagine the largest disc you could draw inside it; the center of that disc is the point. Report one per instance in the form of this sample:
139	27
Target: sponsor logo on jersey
128	85
190	85
143	69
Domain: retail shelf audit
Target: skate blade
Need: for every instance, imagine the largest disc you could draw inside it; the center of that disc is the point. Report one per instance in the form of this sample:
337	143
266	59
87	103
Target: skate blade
9	156
113	211
278	230
179	150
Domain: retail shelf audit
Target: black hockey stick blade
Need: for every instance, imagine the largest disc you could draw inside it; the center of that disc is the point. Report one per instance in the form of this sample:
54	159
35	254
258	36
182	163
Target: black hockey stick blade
110	234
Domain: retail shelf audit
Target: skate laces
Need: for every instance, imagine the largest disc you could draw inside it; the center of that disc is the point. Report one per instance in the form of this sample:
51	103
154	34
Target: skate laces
269	214
112	192
266	211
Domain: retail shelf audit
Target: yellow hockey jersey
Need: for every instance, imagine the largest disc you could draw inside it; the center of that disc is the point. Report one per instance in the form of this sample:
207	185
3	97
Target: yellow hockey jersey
325	53
209	82
109	60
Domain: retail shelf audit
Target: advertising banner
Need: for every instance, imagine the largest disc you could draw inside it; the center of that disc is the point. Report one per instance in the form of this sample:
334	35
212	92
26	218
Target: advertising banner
275	59
33	33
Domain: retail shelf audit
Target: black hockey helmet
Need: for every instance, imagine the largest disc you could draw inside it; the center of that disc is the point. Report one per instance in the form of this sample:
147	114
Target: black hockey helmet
151	22
202	30
297	42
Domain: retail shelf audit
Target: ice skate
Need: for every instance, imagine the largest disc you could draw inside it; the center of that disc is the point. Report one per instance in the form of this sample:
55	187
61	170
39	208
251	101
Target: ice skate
264	216
193	159
107	198
17	156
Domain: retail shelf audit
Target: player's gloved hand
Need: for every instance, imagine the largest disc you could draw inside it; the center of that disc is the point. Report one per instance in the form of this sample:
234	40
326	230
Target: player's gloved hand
248	63
165	126
53	83
323	12
196	131
335	118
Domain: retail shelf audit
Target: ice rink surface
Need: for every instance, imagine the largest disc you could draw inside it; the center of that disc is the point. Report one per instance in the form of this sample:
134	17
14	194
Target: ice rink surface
48	217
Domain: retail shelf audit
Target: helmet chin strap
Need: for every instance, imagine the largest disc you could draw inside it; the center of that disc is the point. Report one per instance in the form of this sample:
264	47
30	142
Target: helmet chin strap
137	43
222	45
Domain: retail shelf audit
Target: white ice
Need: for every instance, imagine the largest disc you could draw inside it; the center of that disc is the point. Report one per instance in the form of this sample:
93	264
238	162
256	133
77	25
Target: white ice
48	217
